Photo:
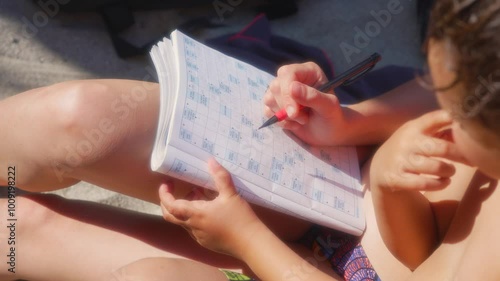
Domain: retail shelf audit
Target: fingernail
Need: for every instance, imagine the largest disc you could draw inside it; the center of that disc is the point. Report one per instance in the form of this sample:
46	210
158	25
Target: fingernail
290	110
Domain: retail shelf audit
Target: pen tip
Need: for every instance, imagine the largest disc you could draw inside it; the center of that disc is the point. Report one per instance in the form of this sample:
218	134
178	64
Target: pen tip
263	126
269	122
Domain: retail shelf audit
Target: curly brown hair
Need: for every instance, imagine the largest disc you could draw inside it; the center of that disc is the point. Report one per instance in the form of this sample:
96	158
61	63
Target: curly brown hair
472	28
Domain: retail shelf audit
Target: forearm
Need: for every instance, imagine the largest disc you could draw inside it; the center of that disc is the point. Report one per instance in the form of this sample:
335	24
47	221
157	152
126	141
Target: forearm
271	259
374	120
406	224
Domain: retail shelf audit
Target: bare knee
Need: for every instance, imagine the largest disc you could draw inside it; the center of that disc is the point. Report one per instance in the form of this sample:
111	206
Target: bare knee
85	128
71	104
80	120
95	117
60	133
70	126
60	128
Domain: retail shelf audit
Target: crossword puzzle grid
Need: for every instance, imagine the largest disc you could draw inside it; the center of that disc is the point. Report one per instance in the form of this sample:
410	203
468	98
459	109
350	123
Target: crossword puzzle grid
219	117
201	178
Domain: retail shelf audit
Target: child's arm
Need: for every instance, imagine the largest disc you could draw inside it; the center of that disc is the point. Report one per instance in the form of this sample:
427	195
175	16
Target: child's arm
228	225
327	123
407	164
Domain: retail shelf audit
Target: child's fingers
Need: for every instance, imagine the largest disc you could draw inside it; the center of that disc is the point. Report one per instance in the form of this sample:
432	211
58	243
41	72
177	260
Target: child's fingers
434	147
323	104
175	211
168	216
290	125
268	112
445	134
274	100
301	74
420	164
421	183
165	192
308	73
271	95
222	178
181	210
435	121
196	194
415	182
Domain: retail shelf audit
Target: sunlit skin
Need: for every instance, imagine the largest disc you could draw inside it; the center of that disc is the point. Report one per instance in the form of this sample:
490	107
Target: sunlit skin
467	225
432	214
480	146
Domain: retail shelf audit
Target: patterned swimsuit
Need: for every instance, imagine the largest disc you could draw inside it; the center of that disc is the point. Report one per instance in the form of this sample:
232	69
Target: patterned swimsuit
345	253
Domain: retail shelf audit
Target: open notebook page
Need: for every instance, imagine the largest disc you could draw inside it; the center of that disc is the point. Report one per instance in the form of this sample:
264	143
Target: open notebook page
217	111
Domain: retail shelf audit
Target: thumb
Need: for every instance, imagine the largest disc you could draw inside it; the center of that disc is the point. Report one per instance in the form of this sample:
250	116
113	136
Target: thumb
166	192
324	104
222	178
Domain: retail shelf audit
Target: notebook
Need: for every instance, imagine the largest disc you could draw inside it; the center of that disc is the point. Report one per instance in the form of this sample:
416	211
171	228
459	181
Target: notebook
211	106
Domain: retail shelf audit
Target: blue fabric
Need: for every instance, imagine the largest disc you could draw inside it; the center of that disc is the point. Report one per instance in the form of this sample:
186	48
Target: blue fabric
256	45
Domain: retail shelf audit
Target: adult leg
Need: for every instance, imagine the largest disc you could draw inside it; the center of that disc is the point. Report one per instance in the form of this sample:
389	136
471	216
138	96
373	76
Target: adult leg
60	239
160	269
99	131
163	269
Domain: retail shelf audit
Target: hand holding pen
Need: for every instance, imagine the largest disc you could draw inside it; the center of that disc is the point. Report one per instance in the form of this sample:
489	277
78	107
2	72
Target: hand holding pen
343	79
297	96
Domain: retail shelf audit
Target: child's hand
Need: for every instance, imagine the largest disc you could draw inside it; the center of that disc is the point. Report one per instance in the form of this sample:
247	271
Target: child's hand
413	158
223	224
323	121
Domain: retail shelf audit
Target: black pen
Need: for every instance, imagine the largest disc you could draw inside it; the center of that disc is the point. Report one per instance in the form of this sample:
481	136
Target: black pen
345	78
